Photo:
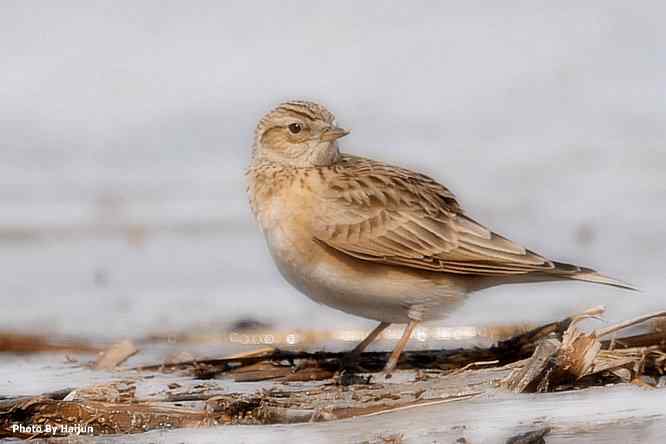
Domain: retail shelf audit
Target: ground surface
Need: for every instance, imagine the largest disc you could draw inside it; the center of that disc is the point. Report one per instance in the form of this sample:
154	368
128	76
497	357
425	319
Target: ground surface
619	413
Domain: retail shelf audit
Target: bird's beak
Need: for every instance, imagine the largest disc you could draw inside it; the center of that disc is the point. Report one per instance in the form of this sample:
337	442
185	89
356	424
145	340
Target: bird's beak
333	133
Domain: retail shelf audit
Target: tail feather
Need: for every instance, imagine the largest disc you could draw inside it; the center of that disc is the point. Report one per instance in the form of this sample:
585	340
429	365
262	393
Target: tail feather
588	275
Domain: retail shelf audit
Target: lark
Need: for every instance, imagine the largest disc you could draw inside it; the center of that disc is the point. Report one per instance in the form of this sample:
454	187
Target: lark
372	239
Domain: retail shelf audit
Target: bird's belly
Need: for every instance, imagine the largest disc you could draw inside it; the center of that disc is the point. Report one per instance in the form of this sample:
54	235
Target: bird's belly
362	288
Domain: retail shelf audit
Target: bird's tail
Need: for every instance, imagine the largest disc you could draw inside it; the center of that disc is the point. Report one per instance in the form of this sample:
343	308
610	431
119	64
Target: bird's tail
577	273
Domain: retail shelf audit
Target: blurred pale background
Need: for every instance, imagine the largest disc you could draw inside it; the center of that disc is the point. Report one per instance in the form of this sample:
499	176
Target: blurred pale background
125	128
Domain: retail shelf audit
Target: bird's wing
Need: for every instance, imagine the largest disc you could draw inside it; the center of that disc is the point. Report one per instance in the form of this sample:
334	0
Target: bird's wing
386	214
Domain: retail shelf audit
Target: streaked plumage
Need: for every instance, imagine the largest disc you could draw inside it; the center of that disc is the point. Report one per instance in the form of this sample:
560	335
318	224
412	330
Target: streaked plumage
372	239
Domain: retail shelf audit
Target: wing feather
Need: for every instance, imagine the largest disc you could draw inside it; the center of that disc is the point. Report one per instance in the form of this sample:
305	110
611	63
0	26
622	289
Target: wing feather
377	212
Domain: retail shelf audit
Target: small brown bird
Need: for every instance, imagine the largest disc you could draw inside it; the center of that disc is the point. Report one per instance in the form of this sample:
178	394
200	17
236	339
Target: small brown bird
371	239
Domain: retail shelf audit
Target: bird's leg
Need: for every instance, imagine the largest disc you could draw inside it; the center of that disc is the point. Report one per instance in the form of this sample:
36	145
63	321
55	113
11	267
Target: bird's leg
400	346
371	337
350	361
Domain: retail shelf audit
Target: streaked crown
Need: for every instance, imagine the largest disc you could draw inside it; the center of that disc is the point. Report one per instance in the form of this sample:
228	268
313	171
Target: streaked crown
296	108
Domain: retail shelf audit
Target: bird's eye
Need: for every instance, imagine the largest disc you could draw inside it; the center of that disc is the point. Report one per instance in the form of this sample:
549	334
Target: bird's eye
295	128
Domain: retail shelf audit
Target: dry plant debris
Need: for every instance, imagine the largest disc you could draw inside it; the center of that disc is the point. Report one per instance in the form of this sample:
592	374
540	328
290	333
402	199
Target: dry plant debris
276	364
556	356
23	343
581	359
102	417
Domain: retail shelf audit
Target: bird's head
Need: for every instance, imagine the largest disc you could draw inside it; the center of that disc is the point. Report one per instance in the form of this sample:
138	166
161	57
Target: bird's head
298	134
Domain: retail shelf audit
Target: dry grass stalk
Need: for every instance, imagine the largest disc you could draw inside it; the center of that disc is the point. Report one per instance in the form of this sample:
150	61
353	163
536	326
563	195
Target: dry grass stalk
22	343
115	355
